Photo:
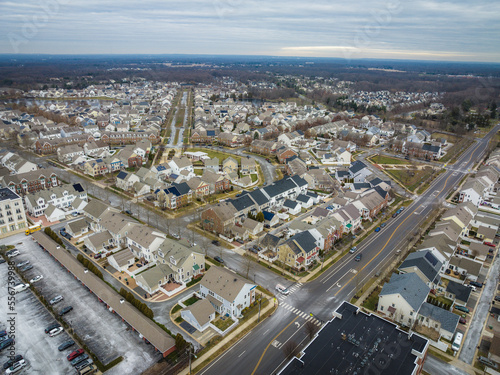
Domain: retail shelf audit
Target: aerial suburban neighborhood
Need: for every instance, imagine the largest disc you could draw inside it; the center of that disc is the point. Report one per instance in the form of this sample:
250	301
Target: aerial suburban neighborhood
175	227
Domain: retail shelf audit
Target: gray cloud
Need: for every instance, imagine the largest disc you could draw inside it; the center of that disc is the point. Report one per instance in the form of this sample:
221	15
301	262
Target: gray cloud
441	30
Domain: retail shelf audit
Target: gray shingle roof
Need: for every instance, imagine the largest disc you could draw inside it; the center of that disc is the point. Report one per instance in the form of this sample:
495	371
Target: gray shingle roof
448	320
425	262
409	286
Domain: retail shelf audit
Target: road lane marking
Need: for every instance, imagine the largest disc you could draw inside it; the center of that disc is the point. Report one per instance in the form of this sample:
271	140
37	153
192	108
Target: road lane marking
267	347
242	353
394	232
265	332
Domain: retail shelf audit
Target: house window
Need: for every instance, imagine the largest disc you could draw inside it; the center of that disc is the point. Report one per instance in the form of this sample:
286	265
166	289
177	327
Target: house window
381	308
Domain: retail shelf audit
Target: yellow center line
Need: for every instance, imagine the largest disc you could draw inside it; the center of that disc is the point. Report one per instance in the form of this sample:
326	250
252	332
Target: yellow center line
267	347
395	230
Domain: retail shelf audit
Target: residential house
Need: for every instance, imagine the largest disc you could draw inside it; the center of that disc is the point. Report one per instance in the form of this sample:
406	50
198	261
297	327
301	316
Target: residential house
435	318
299	251
61	197
219	218
31	182
143	241
425	265
95	167
77	228
199	315
227	292
229	165
175	196
67	154
248	166
401	298
99	242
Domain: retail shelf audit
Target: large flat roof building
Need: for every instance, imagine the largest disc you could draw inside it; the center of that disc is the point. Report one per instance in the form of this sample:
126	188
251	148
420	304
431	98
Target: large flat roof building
354	342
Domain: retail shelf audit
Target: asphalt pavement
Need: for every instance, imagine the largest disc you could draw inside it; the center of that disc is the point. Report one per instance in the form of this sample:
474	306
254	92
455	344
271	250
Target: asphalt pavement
322	296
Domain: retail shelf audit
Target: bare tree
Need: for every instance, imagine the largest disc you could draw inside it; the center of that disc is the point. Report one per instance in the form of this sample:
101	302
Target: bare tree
310	329
248	265
290	349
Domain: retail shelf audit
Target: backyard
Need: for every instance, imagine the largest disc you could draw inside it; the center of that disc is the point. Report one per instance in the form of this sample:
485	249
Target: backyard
223	322
216	154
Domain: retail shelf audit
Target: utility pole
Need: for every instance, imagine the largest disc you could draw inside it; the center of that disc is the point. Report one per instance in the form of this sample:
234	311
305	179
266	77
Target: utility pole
190	358
260	302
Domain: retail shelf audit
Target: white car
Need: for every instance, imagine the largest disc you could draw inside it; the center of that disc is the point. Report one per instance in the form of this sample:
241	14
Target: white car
56	299
13	253
36	278
56	331
16	367
176	236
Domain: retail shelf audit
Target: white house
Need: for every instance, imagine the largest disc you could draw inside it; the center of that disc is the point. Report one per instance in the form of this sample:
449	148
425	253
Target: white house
227	292
59	196
401	298
473	191
199	314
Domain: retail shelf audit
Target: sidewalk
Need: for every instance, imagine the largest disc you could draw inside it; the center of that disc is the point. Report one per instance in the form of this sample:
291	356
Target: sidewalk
227	339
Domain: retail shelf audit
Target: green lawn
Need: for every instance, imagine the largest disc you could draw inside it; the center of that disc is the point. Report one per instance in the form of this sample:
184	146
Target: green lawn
254	177
381	159
176	138
179	119
198	171
176	308
216	154
191	301
223	324
456	150
372	301
410	178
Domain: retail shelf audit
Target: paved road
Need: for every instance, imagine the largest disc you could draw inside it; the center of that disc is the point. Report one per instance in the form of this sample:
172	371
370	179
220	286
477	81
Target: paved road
436	366
260	351
471	339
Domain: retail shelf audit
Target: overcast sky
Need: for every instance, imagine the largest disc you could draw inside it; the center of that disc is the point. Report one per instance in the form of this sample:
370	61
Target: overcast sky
395	29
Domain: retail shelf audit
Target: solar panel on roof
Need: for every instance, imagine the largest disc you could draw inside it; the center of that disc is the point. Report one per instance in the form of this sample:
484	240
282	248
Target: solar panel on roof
431	258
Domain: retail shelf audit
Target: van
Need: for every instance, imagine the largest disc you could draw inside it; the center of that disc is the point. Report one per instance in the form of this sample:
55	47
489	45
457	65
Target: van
462	308
281	289
358	257
90	369
21	287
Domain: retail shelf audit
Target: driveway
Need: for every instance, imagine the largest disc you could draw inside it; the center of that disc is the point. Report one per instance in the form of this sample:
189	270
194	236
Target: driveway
471	340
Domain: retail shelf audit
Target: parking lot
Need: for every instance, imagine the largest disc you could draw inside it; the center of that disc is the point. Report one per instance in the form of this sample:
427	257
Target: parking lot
31	318
103	332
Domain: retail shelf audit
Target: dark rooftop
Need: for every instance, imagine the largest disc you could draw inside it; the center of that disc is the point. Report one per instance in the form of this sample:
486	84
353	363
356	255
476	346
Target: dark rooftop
356	343
6	193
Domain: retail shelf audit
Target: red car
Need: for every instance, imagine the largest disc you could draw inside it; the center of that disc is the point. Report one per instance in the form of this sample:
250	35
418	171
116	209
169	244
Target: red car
74	354
462	320
489	244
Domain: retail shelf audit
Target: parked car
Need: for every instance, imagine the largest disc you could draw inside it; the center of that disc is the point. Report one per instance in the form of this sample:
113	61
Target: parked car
56	331
83	364
74	354
36	278
267	226
2	260
395	214
22	264
128	212
56	299
462	320
219	259
26	268
240	241
476	284
486	361
353	249
51	327
383	225
13	253
6	343
3	333
216	243
490	244
11	361
377	229
78	359
65	310
358	257
97	256
462	308
176	236
497	298
16	367
65	345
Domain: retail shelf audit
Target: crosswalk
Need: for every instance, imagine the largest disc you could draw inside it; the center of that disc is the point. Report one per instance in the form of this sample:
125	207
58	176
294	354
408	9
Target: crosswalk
300	313
291	290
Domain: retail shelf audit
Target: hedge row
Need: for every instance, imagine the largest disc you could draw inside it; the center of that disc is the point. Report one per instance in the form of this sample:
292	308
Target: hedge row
89	265
49	232
141	306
